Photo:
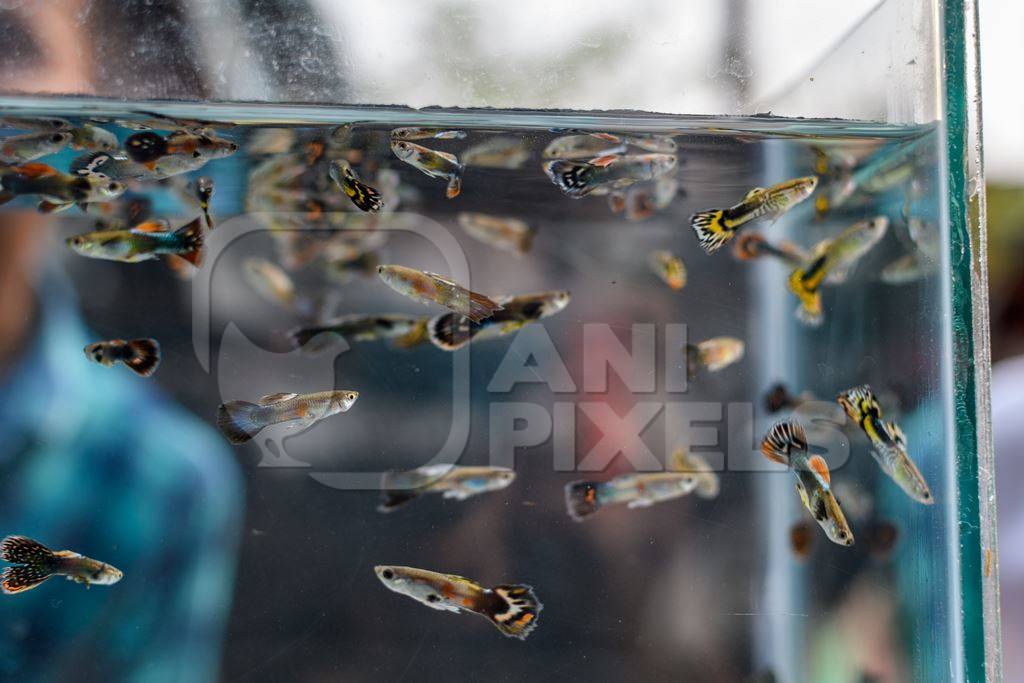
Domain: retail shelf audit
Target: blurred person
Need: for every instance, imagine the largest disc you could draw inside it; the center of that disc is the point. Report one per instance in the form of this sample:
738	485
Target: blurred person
96	459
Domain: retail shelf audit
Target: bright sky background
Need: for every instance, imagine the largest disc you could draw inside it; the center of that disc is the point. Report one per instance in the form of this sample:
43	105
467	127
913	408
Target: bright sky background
1002	54
664	55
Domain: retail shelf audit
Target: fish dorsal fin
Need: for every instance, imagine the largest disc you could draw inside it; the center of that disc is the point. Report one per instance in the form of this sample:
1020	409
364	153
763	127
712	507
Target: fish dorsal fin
607	137
448	156
456	577
155	225
275	398
604	161
820	467
678	462
35	169
436	471
753	193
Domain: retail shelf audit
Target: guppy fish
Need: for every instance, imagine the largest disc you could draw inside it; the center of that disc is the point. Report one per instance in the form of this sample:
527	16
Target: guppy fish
44	125
606	173
451	331
779	398
240	421
57	191
707	484
93	138
641	201
512	608
451	481
140	355
18	149
406	331
584	146
202	189
889	443
111	165
430	287
713	354
434	164
421	133
144	241
497	152
362	195
507	234
715	227
786	443
921	261
638	490
669	267
831	261
179	152
270	281
751	246
36	563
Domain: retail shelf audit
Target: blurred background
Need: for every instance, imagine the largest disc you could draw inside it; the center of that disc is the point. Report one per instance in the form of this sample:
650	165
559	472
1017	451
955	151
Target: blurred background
295	614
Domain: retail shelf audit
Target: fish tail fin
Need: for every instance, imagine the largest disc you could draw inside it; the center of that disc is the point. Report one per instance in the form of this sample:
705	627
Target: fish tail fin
782	439
145	147
581	499
301	336
24	550
414	337
454	183
23	577
482	307
235	421
574	178
451	331
809	312
524	241
710	228
516	613
392	498
191	236
778	398
145	356
182	269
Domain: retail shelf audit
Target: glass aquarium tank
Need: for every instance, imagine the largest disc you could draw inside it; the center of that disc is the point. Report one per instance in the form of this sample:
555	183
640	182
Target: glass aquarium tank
655	336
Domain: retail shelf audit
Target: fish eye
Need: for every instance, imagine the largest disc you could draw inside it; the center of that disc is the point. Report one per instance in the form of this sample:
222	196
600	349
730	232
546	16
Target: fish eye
433	598
57	137
196	154
350	396
388	574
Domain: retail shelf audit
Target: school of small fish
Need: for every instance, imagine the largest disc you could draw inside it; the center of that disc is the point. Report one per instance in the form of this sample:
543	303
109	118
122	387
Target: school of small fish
329	202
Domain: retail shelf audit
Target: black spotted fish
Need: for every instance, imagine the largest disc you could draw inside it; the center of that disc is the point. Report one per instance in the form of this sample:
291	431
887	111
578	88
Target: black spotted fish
889	443
512	608
601	175
786	443
35	563
830	263
715	227
141	356
362	195
451	331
